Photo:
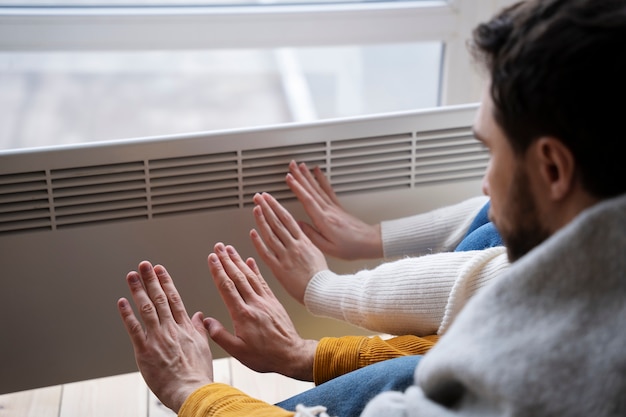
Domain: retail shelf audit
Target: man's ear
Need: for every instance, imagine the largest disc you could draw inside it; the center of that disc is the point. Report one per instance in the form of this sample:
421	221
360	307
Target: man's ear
557	166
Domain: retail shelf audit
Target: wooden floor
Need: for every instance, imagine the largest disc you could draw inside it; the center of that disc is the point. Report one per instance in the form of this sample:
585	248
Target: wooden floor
128	396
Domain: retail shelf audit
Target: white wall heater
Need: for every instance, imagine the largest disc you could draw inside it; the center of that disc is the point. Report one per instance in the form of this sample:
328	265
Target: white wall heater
75	219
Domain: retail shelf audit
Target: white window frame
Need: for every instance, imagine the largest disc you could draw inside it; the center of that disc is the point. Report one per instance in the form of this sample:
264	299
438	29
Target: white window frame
262	26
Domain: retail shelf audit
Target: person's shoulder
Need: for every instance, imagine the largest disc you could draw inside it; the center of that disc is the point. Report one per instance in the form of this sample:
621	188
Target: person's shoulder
570	260
606	211
599	226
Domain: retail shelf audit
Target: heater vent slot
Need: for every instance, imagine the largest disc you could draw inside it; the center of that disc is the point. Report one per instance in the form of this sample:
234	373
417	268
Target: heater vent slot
116	189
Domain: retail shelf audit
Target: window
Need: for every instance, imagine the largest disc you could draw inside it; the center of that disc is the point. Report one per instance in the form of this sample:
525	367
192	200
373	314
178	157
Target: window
80	71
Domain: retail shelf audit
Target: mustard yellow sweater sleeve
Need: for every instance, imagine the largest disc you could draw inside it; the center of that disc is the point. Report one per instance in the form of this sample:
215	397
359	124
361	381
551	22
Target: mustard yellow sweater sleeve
336	356
225	401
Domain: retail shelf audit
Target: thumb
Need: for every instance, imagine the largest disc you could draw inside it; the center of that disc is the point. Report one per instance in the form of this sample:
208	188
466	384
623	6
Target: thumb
221	336
197	322
316	237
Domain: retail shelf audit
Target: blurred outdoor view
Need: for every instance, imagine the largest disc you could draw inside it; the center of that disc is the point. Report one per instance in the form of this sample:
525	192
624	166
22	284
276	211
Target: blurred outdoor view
58	97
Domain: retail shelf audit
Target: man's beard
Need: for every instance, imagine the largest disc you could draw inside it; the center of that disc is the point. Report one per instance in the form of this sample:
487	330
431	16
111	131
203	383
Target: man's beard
526	230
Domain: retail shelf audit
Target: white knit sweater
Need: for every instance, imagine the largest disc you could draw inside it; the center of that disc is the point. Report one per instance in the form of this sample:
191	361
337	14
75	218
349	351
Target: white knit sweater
420	294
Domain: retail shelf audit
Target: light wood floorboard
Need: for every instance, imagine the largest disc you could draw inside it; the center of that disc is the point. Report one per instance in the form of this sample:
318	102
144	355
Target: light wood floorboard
128	396
41	402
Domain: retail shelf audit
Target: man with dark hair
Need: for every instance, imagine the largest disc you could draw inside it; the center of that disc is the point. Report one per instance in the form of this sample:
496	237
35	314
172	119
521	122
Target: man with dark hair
545	339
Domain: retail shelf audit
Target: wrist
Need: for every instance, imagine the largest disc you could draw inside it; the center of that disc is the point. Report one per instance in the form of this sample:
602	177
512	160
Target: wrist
375	242
183	392
302	365
179	397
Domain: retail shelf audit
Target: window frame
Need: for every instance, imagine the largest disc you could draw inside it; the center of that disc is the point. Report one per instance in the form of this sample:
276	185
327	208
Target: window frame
32	28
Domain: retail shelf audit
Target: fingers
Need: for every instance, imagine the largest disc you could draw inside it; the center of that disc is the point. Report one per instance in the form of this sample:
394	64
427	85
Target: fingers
324	184
311	184
302	175
132	325
174	299
148	295
264	252
155	296
315	200
264	288
226	287
237	282
253	266
305	191
275	223
270	238
285	218
253	277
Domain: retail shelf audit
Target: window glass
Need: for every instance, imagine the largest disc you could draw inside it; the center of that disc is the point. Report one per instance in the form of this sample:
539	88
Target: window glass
350	81
51	98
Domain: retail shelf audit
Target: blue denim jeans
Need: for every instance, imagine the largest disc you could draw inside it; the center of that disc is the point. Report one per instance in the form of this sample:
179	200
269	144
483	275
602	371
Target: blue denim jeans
482	234
347	395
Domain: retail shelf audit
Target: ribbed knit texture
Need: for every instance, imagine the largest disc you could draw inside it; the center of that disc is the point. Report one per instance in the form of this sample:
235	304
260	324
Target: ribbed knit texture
407	296
338	356
225	401
438	230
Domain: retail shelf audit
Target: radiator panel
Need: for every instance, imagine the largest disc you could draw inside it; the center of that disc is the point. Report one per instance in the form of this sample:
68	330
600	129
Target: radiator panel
74	220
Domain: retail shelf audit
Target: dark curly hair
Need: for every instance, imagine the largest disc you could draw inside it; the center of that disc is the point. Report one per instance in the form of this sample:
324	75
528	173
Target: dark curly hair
558	68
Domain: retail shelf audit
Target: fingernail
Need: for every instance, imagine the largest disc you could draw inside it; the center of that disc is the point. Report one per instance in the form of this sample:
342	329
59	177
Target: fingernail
159	270
145	266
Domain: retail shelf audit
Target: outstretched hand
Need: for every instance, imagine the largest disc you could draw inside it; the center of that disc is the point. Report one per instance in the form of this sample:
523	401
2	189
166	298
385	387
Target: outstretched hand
284	247
335	231
264	337
172	351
